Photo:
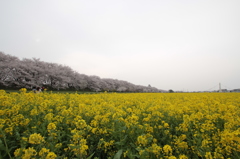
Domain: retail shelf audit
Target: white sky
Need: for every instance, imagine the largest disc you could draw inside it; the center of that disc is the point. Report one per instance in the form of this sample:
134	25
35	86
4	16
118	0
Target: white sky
188	45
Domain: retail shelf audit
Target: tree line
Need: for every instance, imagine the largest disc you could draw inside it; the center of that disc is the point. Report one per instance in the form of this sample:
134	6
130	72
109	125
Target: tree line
29	73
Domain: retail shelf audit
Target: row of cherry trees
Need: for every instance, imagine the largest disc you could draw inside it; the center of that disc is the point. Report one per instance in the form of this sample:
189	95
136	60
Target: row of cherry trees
28	73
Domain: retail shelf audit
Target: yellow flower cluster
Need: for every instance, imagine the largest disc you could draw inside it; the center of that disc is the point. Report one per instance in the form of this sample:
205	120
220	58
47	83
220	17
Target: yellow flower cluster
32	153
134	125
36	139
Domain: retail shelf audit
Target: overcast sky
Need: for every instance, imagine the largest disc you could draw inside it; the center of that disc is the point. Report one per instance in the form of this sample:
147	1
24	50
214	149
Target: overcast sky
189	45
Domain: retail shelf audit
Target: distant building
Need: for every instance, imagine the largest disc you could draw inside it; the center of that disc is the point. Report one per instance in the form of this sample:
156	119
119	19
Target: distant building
236	90
224	90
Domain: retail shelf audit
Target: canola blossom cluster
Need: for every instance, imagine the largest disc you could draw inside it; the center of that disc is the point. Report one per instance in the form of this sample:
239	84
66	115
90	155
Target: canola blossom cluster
119	125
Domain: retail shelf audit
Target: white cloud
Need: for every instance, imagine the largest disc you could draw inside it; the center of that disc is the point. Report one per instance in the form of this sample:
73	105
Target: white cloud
37	40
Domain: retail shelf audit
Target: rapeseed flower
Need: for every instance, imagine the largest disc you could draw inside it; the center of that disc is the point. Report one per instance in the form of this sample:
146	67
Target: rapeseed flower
157	125
51	126
167	150
51	155
43	152
29	153
36	139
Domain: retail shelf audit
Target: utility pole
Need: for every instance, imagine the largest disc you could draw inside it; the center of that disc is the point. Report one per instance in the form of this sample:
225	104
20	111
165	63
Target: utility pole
220	90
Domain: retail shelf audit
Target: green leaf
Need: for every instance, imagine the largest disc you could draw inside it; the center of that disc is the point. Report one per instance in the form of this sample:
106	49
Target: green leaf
133	145
2	146
91	156
12	148
118	154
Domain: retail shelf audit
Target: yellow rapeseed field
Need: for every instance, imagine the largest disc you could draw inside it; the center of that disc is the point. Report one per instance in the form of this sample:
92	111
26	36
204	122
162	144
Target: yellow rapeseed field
116	125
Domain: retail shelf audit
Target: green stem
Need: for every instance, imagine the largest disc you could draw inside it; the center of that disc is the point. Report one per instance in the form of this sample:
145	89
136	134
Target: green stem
5	142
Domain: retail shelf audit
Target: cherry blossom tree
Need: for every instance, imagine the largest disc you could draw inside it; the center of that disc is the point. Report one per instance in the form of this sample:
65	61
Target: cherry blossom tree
30	73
